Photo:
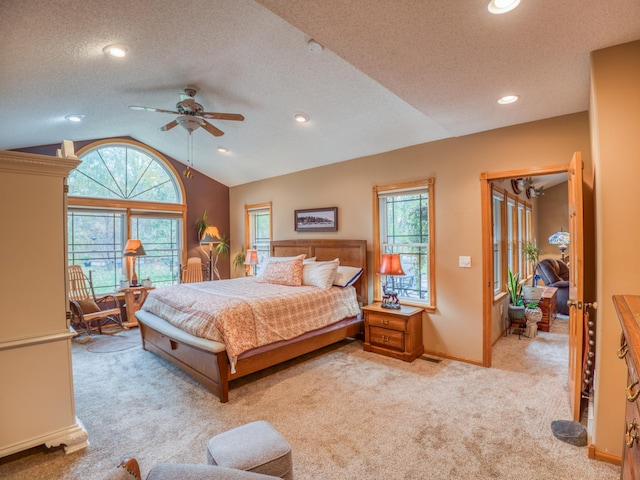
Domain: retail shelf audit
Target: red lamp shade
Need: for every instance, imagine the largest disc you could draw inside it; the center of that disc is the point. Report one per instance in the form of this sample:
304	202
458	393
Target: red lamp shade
390	264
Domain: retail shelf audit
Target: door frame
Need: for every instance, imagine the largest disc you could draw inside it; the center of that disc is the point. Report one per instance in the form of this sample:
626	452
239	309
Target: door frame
487	247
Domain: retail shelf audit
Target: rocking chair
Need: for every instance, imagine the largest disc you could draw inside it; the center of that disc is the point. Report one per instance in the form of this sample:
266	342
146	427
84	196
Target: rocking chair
89	312
193	271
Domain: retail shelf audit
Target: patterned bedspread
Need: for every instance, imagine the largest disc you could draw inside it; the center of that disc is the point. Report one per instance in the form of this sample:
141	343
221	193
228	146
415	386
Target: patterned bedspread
244	314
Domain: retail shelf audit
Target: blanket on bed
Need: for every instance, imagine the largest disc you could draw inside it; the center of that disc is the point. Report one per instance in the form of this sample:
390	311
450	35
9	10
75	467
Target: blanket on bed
245	314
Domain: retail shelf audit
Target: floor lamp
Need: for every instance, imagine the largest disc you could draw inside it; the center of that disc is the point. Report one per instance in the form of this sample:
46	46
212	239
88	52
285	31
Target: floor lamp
211	236
133	248
561	239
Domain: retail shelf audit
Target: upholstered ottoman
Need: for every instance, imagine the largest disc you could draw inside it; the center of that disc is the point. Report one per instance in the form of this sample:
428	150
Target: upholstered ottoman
254	447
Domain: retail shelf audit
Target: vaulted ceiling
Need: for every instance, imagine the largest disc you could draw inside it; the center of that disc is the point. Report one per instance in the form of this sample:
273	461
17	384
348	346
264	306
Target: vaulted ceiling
392	73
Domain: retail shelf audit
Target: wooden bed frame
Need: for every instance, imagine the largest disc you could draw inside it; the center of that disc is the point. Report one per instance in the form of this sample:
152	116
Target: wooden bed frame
207	361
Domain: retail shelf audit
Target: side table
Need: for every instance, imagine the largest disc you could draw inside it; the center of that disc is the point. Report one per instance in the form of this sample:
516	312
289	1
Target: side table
134	297
549	308
394	333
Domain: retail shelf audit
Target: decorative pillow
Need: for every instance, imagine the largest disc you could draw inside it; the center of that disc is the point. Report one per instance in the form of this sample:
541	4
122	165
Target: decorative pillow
346	276
283	273
88	306
319	274
278	259
309	260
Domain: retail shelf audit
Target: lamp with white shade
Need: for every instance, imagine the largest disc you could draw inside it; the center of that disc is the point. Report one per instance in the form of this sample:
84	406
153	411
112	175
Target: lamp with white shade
561	239
251	259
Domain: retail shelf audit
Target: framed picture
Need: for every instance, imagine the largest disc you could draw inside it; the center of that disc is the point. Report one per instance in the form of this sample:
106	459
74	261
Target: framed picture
316	220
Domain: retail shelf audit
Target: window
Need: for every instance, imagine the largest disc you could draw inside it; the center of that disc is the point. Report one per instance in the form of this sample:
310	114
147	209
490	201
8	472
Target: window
511	219
498	221
124	190
258	230
403	218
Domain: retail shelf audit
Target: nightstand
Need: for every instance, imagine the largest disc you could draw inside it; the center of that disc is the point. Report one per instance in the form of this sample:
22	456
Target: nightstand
134	297
394	333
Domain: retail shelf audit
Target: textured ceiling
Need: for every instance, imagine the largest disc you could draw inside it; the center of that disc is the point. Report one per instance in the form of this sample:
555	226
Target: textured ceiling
392	74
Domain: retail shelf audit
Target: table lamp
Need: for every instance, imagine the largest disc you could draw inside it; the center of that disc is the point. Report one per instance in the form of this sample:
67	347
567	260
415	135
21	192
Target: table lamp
133	248
390	265
561	239
251	259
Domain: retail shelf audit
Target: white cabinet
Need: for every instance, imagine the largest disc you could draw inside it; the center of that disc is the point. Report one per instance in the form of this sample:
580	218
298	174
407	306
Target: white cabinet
36	395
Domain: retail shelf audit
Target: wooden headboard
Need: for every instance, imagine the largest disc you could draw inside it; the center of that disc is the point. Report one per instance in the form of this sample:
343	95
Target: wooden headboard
352	253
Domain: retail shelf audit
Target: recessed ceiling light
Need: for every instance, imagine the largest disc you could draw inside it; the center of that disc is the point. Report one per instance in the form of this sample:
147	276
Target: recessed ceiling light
116	50
508	99
301	118
222	149
74	118
502	6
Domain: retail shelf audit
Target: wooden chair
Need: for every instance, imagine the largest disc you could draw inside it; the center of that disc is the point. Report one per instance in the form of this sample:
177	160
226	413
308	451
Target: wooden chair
194	271
89	312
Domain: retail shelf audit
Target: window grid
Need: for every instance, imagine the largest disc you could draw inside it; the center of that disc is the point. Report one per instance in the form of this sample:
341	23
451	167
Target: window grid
405	226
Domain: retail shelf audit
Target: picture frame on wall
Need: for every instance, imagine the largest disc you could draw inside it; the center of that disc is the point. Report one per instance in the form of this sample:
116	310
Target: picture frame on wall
316	220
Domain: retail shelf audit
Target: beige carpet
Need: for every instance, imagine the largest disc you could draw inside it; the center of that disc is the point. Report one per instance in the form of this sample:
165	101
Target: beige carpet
347	414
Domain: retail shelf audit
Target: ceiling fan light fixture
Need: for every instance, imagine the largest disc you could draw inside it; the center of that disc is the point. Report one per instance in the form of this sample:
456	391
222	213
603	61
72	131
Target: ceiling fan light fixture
507	99
502	6
75	117
116	50
301	118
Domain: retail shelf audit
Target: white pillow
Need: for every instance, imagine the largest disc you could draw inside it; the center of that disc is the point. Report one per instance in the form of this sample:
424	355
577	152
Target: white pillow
309	260
346	276
319	274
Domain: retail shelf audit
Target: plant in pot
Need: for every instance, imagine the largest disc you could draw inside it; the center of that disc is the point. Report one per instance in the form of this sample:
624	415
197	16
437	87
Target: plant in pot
533	314
516	303
239	258
532	293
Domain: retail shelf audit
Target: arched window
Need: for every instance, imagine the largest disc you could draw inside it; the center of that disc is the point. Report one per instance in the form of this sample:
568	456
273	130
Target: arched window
122	190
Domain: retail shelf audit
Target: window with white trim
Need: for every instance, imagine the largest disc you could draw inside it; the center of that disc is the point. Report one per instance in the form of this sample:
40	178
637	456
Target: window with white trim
258	230
124	190
403	215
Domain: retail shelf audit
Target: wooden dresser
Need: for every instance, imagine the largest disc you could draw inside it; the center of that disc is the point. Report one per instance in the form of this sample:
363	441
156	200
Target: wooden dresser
548	305
628	309
394	333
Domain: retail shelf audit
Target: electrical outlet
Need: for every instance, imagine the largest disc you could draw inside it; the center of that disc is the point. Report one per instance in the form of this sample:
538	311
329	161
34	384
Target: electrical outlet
501	309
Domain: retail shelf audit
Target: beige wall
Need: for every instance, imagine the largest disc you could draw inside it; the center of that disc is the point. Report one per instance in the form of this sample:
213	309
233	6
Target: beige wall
553	214
615	123
455	329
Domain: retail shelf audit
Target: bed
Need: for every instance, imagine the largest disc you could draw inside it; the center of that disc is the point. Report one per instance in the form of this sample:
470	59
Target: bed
207	360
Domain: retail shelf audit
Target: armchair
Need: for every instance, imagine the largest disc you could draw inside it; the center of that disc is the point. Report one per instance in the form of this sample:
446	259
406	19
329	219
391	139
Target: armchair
87	310
555	273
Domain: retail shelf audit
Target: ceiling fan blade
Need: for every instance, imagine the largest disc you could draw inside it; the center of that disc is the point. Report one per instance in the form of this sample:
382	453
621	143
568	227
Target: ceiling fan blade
151	109
211	129
222	116
169	126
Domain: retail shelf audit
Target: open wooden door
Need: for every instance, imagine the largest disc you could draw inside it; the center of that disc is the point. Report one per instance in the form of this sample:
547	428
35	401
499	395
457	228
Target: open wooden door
576	283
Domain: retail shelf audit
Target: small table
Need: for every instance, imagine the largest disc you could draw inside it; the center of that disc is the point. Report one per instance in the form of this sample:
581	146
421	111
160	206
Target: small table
394	333
548	305
134	297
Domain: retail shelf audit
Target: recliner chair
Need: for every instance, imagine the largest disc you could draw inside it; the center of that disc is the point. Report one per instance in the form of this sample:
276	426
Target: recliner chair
555	273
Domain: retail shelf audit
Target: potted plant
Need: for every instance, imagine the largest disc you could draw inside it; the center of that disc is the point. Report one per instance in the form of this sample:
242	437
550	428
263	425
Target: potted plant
238	260
533	314
532	293
516	303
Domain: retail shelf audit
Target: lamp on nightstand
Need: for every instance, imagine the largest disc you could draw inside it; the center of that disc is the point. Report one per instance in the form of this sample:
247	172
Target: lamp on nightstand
390	265
133	248
251	259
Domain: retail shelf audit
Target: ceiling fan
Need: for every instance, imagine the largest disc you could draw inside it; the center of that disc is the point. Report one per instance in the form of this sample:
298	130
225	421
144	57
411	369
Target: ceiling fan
192	114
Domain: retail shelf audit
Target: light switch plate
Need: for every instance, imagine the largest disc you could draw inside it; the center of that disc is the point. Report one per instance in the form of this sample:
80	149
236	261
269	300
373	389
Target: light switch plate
464	262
